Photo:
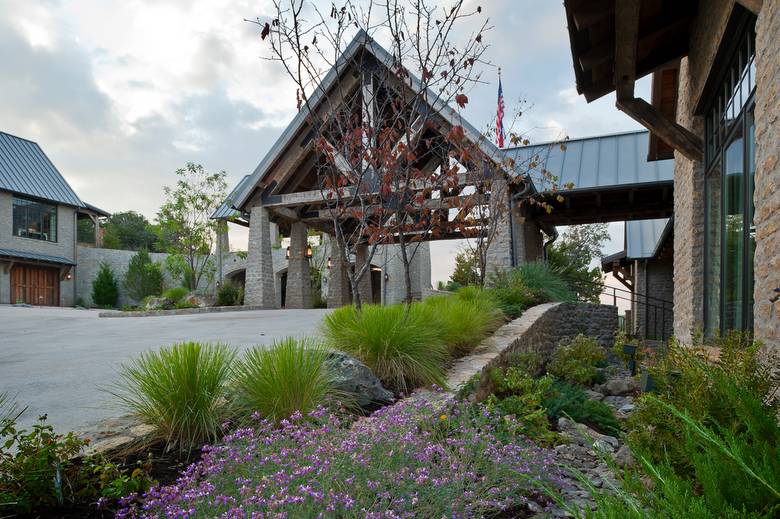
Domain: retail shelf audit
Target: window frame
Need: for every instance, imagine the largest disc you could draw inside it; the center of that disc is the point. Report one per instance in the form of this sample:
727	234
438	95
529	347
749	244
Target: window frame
54	211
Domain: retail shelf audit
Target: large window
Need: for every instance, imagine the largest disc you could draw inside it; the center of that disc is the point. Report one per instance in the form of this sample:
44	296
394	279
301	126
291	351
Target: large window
729	159
34	219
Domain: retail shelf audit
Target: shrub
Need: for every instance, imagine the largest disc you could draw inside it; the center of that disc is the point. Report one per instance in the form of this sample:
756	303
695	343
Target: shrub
397	343
105	289
290	375
179	391
143	277
577	360
517	394
176	294
539	280
463	323
414	459
563	399
230	294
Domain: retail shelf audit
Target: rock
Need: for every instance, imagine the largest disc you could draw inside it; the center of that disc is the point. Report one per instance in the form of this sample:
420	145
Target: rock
627	409
109	444
594	395
587	437
155	303
354	377
620	386
195	300
624	458
618	401
139	431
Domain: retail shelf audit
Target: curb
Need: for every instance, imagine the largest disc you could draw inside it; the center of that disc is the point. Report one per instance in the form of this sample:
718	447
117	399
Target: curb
182	311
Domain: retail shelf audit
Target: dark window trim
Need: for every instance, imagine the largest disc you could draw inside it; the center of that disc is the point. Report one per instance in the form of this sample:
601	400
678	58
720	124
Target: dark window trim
42	202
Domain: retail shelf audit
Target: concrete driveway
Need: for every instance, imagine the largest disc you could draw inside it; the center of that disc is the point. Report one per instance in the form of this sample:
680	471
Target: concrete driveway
54	360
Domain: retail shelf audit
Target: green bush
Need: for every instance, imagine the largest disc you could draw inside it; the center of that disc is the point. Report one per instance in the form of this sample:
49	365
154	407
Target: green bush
517	394
565	399
105	289
290	375
462	323
176	294
398	344
230	294
540	280
143	277
577	360
179	391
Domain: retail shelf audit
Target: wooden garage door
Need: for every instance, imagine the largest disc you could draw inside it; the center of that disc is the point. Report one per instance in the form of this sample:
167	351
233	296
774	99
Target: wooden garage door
35	285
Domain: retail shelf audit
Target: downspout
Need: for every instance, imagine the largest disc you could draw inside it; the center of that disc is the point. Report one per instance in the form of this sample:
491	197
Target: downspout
549	242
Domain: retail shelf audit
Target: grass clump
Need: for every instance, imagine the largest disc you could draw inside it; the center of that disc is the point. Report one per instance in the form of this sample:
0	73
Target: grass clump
577	359
462	322
175	295
230	294
179	391
397	343
291	375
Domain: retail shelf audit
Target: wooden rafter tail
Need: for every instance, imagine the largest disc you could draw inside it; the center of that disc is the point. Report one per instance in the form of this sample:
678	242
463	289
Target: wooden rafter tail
676	136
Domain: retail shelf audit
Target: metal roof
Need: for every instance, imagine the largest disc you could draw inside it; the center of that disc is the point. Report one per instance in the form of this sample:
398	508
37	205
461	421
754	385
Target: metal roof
25	169
14	254
644	237
226	210
361	41
594	162
98	211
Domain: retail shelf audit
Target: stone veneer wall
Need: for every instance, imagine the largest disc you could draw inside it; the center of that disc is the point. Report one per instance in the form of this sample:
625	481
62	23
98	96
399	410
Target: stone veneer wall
541	328
653	278
767	180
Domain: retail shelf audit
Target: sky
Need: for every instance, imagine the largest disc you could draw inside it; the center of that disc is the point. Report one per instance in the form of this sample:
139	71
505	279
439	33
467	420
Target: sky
120	94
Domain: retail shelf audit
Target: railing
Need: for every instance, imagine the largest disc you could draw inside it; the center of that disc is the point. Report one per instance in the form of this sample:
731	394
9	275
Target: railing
654	315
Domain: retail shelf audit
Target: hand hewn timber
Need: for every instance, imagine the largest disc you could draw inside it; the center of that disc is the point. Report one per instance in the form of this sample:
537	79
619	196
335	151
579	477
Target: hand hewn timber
452	202
676	136
754	6
626	35
588	12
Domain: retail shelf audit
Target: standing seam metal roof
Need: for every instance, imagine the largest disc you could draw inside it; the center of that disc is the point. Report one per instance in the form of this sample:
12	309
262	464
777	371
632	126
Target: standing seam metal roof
226	210
25	169
594	162
643	237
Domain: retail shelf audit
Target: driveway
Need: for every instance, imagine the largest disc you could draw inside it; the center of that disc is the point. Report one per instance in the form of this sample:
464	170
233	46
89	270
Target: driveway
54	360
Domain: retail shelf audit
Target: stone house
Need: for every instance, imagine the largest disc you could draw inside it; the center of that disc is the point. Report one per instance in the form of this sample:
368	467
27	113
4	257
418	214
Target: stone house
39	216
714	109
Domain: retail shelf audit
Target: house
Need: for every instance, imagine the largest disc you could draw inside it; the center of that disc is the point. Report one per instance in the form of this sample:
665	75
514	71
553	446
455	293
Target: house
39	215
715	109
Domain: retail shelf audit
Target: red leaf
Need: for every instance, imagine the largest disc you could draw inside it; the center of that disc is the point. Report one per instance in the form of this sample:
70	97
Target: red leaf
461	99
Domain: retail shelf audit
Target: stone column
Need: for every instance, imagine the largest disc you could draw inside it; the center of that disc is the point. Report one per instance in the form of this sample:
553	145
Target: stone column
259	290
527	240
364	284
298	274
338	280
499	253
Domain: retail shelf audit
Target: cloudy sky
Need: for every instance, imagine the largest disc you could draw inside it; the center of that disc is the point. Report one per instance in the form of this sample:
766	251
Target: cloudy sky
121	93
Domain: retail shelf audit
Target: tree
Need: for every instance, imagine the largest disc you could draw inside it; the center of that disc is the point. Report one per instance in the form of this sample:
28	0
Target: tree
144	277
466	271
129	230
184	219
105	288
572	255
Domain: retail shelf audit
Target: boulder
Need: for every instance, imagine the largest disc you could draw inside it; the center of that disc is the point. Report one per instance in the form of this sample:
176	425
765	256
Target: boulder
620	386
624	458
195	300
584	436
355	378
155	303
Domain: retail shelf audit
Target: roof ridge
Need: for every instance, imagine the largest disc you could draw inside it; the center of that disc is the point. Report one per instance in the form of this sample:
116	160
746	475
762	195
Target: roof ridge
576	139
21	138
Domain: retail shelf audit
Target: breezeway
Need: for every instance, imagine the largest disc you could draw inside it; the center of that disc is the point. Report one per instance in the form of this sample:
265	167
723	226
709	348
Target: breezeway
55	360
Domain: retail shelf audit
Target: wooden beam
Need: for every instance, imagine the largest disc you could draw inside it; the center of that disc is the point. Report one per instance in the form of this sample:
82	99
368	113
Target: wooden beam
590	12
754	6
676	136
626	36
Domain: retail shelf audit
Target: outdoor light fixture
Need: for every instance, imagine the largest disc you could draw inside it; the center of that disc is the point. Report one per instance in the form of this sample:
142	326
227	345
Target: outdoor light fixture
68	276
330	263
287	255
309	252
387	276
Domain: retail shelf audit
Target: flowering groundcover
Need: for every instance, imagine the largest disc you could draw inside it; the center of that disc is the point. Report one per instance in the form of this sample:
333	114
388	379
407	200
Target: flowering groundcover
440	458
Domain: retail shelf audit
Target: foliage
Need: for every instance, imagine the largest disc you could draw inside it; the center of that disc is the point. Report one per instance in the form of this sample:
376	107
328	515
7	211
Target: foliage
291	375
130	231
110	481
463	323
564	399
577	359
397	343
466	269
85	231
517	394
540	279
143	277
8	408
185	218
35	465
573	253
687	378
179	391
175	294
414	459
105	288
230	294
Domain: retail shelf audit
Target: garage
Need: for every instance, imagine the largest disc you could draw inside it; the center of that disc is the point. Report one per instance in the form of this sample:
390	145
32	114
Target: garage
35	285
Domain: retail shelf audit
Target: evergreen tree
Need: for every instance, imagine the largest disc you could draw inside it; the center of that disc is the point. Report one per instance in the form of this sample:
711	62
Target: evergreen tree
105	289
143	277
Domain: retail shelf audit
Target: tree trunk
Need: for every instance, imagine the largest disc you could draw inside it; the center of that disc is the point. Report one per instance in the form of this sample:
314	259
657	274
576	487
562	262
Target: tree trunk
407	268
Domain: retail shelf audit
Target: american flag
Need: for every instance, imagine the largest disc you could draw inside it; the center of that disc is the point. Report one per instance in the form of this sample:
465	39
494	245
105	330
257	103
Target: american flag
500	114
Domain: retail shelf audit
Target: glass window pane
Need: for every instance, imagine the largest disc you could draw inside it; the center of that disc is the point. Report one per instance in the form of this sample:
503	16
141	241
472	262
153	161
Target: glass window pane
733	261
713	193
750	150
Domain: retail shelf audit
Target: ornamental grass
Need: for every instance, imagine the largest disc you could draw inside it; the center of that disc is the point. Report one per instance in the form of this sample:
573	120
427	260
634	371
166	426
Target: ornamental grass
403	348
179	391
291	375
438	458
463	322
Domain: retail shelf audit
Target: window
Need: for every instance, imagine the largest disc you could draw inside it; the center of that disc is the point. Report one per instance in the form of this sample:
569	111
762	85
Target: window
730	168
33	219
